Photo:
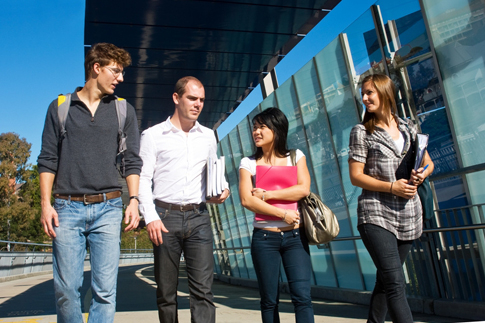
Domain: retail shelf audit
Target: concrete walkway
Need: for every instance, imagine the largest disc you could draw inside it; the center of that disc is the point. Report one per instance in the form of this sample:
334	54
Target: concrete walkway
31	300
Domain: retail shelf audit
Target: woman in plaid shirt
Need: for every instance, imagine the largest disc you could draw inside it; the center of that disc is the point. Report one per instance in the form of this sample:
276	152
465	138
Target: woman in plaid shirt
389	210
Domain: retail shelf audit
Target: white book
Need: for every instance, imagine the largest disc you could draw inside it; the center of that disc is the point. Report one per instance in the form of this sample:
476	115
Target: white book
208	179
219	176
223	172
214	178
421	145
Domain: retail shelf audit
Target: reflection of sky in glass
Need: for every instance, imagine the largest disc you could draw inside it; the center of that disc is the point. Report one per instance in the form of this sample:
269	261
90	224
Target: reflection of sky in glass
363	39
355	34
409	23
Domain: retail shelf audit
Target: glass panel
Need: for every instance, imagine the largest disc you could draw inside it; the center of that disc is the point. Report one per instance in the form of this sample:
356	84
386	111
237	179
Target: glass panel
342	116
245	136
288	103
228	221
346	264
216	242
253	113
457	28
269	102
366	266
326	181
240	211
412	39
323	267
363	43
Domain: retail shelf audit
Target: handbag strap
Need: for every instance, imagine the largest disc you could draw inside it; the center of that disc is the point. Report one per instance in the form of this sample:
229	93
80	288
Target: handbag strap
293	157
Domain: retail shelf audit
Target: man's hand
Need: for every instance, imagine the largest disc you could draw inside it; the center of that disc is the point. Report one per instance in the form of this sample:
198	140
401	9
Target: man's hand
131	215
49	216
220	199
155	229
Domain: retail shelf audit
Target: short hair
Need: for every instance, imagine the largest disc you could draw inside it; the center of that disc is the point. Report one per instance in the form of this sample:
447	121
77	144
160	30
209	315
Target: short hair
104	54
275	120
386	90
182	83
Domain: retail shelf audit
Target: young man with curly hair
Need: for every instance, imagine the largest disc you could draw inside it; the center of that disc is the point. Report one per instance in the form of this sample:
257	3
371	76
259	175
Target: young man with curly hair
80	167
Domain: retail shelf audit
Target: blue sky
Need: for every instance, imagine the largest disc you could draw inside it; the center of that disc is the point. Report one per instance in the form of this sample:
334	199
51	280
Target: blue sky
42	56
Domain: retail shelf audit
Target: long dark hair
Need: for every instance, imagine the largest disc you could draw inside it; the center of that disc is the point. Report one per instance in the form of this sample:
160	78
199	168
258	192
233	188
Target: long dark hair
275	120
387	96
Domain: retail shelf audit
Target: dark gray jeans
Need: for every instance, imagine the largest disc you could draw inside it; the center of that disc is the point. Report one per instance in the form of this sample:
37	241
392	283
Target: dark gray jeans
388	254
191	233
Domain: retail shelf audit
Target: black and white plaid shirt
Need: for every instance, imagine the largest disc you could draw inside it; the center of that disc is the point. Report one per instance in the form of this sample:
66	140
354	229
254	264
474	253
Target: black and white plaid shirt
384	162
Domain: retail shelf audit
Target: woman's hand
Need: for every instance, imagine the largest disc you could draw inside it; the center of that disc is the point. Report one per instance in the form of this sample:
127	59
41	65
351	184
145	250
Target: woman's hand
417	177
291	216
403	189
259	193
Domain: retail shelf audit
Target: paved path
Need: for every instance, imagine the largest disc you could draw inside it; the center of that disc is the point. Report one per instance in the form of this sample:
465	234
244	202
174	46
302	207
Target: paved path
31	300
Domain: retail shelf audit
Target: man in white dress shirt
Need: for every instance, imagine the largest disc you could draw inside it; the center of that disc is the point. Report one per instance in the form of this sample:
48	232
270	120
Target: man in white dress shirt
174	155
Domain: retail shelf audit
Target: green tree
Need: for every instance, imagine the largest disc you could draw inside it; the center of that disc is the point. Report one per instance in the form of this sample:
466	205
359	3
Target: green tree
19	192
139	235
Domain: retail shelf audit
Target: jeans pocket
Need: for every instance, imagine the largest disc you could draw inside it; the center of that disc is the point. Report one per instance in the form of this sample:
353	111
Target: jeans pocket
162	213
117	203
60	204
260	235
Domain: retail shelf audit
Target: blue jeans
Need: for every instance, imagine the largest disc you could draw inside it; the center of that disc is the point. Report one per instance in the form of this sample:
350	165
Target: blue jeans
388	254
99	227
268	249
191	233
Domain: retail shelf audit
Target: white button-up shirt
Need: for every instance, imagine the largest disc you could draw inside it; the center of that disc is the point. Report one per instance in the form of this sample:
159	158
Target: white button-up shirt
174	162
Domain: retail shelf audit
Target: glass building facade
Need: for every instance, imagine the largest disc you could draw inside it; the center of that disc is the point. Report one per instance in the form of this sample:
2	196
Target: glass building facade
434	51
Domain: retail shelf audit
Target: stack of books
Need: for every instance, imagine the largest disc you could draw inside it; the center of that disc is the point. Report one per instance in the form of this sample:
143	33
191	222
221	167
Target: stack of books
216	182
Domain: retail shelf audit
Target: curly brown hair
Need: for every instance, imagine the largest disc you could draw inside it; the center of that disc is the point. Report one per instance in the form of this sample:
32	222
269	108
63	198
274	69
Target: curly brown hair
104	54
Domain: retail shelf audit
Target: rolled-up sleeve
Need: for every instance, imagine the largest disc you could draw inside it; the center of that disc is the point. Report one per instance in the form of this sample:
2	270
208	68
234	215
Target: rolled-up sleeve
357	145
48	158
133	162
149	158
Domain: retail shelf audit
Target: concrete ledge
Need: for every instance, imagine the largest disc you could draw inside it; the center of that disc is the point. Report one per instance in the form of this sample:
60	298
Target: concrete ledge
22	276
442	307
39	273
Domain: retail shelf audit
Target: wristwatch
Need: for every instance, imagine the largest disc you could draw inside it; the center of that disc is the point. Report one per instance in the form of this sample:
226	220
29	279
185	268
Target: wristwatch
135	197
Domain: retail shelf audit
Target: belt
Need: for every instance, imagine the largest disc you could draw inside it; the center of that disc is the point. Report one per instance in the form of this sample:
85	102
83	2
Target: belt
89	198
181	208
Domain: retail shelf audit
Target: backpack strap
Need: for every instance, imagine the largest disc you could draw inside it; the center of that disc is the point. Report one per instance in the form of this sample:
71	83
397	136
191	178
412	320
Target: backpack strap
121	111
293	157
63	104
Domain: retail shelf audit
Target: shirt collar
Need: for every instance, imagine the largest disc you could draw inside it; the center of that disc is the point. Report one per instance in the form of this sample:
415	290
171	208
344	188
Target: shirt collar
168	126
75	96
